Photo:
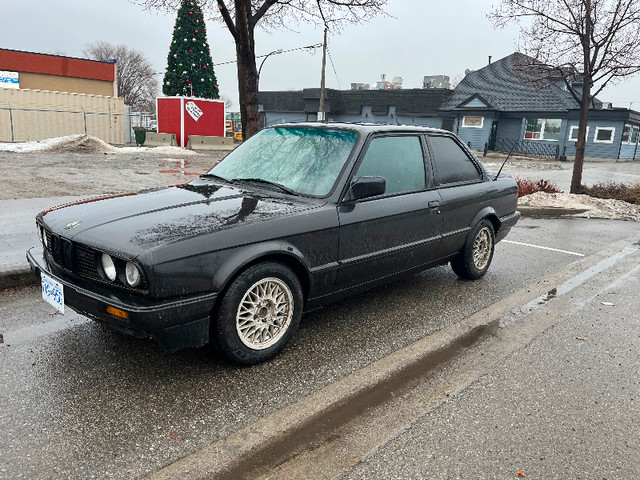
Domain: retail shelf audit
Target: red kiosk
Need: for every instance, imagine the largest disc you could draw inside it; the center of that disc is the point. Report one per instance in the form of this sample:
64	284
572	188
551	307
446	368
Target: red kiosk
186	116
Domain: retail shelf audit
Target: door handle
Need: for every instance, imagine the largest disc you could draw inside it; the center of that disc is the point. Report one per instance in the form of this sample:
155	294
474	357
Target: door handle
434	204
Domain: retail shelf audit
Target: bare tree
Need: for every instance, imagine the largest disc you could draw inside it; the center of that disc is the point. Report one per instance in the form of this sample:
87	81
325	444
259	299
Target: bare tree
228	103
241	18
586	44
137	83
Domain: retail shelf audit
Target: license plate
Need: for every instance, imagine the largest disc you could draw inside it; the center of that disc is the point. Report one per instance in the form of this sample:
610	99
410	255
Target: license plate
52	292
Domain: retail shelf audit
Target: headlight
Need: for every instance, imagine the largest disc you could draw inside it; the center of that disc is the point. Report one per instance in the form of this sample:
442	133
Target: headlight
133	274
108	267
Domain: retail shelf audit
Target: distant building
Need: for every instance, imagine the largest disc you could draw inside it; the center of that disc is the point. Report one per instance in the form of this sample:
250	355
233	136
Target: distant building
496	105
44	96
383	84
436	81
360	86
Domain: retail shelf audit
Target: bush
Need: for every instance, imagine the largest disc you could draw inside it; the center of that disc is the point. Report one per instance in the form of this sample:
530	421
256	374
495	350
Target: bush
527	187
616	191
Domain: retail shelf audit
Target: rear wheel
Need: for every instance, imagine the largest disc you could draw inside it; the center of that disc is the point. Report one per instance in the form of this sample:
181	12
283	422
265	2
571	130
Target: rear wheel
259	313
474	259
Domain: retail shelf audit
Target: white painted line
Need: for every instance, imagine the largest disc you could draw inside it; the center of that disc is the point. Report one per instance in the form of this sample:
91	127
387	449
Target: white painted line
544	248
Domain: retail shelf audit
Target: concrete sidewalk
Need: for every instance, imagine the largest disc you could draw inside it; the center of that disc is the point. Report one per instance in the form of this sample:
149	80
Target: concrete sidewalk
18	233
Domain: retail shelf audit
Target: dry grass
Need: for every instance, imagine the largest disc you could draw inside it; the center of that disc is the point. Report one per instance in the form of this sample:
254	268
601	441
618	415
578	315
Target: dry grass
527	187
616	191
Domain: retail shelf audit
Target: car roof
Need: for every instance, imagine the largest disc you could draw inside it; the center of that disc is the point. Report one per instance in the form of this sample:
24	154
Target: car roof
364	128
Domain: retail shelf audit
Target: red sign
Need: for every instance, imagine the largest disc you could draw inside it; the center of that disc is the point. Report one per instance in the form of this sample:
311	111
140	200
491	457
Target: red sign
186	116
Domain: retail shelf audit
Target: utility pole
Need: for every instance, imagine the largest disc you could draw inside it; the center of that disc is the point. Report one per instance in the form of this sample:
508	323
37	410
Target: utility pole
321	113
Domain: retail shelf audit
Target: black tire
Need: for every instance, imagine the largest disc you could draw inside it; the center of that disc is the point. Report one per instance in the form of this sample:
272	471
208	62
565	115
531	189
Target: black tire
258	314
474	259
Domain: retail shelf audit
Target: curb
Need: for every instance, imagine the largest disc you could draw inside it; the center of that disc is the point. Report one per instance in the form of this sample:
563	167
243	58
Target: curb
550	212
17	277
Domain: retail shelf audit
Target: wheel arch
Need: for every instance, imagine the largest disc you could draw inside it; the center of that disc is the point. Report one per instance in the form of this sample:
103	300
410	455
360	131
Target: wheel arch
284	254
490	214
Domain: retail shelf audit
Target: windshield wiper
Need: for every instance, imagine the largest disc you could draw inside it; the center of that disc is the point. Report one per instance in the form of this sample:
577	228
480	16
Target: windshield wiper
215	177
266	182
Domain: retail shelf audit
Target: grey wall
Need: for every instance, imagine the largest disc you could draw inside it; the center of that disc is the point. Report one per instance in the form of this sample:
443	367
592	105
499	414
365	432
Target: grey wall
597	150
477	136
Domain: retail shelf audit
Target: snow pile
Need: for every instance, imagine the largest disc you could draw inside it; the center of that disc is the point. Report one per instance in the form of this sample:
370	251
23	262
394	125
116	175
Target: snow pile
86	144
594	207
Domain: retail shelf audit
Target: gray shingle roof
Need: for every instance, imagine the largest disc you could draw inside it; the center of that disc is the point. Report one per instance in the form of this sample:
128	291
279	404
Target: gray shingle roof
507	87
415	102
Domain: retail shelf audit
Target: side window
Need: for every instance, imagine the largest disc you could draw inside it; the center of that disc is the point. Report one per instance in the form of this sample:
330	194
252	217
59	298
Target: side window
398	159
452	162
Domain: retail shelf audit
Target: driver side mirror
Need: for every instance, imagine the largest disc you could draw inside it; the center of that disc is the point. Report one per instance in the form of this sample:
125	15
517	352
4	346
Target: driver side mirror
365	187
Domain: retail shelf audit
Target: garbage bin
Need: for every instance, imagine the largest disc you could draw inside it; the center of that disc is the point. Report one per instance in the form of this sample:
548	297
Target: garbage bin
141	135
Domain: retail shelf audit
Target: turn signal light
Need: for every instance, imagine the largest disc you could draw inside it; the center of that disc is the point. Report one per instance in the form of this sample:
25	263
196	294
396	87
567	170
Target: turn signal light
117	312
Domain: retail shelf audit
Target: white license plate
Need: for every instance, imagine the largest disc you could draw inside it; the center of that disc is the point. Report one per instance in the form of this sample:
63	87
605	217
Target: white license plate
52	292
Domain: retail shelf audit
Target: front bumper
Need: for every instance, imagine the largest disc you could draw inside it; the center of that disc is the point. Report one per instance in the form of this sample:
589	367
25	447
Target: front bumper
176	323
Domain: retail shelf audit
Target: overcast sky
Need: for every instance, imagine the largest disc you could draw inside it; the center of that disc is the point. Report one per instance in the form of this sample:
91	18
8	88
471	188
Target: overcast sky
425	37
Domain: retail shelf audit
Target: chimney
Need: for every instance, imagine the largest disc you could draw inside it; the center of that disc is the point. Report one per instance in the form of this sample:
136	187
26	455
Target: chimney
490	59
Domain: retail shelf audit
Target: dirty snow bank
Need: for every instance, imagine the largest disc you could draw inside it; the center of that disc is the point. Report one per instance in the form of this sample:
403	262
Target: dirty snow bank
86	144
595	207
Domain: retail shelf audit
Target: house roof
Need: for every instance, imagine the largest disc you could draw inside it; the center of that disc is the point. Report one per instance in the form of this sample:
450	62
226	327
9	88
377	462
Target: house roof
506	86
416	101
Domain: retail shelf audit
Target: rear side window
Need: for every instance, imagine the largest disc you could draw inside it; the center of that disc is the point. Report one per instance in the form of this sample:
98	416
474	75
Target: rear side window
452	162
399	160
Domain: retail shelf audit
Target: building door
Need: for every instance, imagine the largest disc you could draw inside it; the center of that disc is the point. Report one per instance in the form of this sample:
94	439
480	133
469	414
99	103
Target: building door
493	135
447	124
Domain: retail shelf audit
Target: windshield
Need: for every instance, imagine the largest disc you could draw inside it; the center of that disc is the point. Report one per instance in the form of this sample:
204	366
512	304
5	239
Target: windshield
305	160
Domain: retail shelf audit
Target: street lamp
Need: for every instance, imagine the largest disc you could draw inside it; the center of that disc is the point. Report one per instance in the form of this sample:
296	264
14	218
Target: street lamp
275	52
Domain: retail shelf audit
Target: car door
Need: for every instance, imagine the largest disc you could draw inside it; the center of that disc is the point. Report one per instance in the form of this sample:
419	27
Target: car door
398	230
462	189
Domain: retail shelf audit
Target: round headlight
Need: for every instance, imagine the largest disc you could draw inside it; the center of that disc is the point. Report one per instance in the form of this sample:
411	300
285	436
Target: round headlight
133	274
108	267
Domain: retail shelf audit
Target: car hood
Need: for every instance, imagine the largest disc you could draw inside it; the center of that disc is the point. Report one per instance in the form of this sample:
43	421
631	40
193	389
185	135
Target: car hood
132	224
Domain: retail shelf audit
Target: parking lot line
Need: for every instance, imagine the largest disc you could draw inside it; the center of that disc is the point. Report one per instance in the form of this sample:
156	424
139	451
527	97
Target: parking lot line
544	248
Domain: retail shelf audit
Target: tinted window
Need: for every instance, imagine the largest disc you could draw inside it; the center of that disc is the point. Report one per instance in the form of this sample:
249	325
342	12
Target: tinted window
398	159
451	161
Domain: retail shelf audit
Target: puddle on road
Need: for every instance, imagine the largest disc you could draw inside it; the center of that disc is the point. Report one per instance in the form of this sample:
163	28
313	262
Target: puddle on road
32	332
179	167
521	312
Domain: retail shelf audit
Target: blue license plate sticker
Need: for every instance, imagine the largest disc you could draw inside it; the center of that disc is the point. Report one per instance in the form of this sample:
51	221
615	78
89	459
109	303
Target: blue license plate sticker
52	292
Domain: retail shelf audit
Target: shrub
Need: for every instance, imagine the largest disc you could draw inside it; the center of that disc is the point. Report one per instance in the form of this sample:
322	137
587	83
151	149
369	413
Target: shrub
527	187
616	191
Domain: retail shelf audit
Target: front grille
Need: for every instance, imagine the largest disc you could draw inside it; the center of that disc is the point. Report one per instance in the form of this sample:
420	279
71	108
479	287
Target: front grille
83	261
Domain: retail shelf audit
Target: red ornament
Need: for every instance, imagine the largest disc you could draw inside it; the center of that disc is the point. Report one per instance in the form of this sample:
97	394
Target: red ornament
190	51
188	80
196	31
204	66
174	26
190	13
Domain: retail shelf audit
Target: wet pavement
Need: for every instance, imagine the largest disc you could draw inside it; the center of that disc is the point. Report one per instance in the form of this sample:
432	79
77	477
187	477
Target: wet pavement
80	401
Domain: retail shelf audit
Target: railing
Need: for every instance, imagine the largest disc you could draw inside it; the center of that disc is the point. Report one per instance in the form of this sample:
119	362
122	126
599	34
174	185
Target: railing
529	148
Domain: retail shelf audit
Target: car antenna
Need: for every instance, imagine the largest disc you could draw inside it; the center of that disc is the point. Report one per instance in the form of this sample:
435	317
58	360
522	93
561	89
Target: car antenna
505	162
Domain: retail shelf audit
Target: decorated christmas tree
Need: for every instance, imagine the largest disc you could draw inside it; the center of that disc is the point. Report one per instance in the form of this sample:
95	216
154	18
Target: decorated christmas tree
189	66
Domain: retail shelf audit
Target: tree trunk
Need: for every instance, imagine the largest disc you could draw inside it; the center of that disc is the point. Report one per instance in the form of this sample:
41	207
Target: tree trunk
576	179
247	71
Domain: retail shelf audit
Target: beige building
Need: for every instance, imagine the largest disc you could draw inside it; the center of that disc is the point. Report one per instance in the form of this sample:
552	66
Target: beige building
44	96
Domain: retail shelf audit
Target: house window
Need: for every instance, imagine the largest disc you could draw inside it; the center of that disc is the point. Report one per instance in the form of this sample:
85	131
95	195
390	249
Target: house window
573	133
472	122
630	134
604	135
543	129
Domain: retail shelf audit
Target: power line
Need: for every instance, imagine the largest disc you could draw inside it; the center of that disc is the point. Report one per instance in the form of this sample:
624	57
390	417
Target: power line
317	45
334	68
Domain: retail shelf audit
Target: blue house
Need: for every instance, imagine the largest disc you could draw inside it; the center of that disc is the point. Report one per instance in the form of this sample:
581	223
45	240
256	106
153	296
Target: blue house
497	106
500	106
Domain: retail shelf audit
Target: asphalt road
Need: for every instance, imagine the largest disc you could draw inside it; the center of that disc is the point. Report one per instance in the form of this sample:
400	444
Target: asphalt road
80	401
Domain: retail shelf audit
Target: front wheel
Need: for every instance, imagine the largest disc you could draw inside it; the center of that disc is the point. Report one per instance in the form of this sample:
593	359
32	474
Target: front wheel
259	313
474	259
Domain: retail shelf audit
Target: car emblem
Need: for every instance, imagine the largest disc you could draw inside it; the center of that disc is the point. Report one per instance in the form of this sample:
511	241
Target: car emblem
72	224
